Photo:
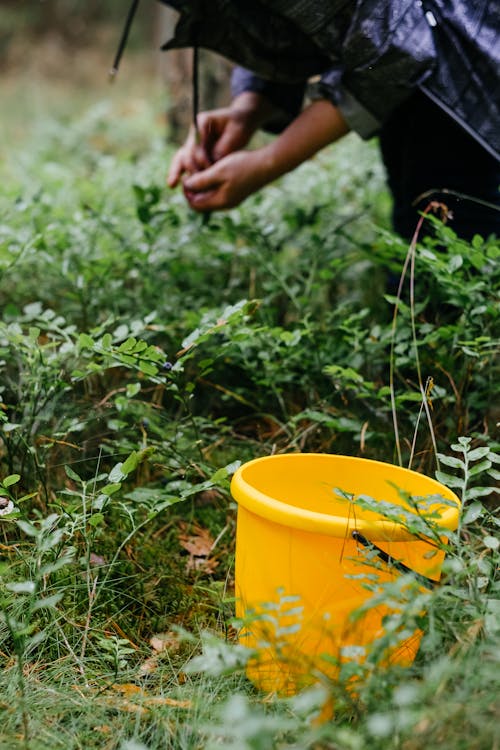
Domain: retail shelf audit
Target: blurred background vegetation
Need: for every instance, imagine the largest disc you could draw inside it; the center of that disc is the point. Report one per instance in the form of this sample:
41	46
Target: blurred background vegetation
70	46
68	22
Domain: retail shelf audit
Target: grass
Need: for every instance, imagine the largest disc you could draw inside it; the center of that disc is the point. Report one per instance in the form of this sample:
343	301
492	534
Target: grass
143	355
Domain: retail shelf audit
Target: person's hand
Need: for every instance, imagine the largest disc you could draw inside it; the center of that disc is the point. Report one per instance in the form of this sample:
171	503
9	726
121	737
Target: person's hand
221	132
229	181
220	177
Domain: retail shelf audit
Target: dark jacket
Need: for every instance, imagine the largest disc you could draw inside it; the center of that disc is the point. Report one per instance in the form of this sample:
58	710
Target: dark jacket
369	55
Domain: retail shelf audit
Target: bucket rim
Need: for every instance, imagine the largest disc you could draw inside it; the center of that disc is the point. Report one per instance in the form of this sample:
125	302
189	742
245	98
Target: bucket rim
257	502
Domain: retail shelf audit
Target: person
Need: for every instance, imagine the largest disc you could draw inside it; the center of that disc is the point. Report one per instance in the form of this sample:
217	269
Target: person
423	76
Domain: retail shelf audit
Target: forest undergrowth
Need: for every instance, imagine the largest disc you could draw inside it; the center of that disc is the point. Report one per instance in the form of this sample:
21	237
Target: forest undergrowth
145	354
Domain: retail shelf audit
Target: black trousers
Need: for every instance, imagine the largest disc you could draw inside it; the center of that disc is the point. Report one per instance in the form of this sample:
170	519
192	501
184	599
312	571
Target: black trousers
423	149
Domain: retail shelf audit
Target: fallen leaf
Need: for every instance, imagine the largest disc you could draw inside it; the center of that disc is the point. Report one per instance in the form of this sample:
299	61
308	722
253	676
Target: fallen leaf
96	559
127	688
202	564
128	706
169	641
149	665
159	701
103	729
198	544
136	700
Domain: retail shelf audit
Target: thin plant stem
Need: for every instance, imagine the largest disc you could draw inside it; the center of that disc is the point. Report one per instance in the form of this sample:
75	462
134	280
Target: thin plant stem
392	391
86	630
456	194
423	389
409	261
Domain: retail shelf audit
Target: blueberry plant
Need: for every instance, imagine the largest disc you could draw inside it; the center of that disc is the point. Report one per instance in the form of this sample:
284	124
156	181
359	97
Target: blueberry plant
145	354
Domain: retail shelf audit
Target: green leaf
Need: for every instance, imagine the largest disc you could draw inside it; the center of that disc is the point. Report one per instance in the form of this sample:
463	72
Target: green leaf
36	639
133	389
10	426
152	496
477	259
455	262
72	474
226	471
106	341
232	467
27	528
110	489
479	468
33	333
56	565
127	345
491	542
85	341
474	492
478	453
347	374
147	368
49	602
96	519
130	463
462	445
449	480
117	474
22	587
219	475
127	359
492	617
10	480
456	463
473	512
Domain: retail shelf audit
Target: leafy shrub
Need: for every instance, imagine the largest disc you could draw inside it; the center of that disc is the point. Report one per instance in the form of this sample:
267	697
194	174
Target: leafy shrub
144	353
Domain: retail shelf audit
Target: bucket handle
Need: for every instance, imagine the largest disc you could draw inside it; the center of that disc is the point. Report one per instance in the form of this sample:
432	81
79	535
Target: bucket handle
428	583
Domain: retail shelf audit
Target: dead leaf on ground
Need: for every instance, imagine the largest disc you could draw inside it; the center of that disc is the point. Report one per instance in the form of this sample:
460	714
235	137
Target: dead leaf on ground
169	641
208	497
149	665
103	729
96	560
199	543
136	700
126	688
160	701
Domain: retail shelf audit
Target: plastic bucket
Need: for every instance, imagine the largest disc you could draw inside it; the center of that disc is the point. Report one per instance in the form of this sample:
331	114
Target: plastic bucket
307	557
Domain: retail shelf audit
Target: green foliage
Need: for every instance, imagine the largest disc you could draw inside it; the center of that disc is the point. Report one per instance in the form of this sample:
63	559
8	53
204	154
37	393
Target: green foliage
144	354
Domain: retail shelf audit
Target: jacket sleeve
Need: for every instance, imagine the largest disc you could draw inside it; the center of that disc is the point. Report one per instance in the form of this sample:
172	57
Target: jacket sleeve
386	51
286	97
358	117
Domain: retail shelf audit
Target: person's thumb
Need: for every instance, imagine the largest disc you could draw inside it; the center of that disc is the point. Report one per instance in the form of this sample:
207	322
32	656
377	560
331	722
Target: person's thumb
201	181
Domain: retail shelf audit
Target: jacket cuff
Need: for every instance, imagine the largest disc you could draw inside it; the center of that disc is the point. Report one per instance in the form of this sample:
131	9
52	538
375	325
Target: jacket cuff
287	98
355	114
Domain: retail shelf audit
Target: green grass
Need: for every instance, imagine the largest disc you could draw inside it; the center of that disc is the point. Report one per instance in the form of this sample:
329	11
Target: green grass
278	336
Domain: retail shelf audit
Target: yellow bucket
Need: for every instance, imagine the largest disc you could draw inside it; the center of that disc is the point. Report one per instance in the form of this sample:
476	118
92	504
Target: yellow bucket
305	553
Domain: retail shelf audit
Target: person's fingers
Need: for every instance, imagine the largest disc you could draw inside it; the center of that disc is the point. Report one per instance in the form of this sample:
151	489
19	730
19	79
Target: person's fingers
200	158
186	160
208	179
222	131
210	126
206	191
177	169
204	201
231	139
